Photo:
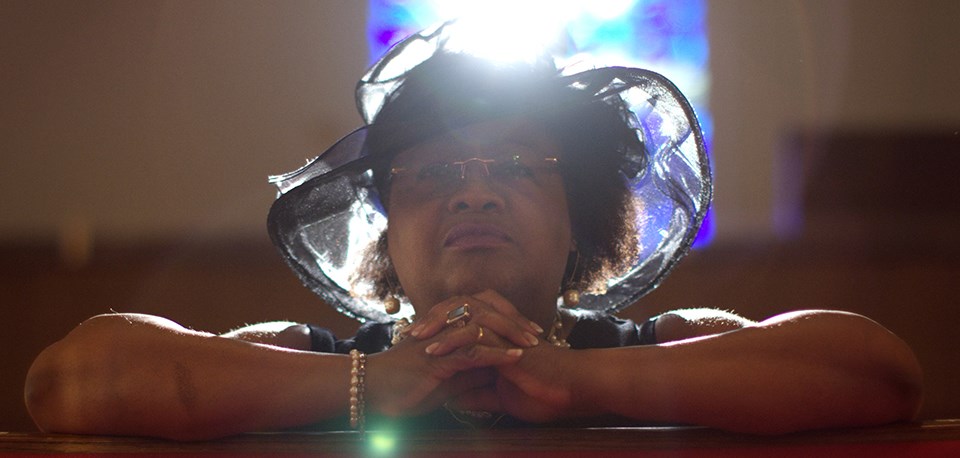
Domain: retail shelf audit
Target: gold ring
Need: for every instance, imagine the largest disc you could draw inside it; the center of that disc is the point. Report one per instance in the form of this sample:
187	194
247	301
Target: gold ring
480	334
459	316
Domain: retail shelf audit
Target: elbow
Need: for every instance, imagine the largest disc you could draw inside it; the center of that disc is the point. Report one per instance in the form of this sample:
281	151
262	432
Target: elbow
103	376
848	371
904	385
37	393
64	389
47	394
892	368
893	395
883	379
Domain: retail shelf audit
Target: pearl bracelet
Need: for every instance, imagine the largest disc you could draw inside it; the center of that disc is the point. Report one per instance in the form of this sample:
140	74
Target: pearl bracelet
358	363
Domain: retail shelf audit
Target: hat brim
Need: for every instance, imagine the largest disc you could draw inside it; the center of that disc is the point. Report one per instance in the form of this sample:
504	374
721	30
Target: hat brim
328	212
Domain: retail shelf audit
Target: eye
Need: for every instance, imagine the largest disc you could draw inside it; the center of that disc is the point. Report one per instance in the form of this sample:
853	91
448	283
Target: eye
511	168
438	171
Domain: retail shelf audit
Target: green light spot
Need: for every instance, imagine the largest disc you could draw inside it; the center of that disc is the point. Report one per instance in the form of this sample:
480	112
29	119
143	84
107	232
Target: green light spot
382	443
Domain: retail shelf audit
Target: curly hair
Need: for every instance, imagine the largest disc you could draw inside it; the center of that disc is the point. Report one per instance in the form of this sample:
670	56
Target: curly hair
595	137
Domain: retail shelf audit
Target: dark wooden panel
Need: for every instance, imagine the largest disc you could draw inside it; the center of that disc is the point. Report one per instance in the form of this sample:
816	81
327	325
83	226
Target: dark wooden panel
941	437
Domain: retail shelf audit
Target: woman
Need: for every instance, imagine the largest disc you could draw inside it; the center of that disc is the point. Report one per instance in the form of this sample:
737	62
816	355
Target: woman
506	186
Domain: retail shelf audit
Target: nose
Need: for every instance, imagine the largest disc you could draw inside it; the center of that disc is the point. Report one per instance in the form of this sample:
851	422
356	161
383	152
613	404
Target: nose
474	191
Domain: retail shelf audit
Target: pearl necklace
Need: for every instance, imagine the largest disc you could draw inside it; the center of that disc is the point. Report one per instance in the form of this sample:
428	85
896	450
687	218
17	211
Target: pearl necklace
556	331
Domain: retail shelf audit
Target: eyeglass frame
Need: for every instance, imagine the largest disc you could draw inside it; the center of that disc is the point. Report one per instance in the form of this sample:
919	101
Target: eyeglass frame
550	161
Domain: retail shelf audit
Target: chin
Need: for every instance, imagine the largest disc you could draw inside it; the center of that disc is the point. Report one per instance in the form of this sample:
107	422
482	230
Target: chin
472	281
471	286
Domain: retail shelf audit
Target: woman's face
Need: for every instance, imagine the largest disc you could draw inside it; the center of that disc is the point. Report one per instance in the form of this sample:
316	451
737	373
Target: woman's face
481	207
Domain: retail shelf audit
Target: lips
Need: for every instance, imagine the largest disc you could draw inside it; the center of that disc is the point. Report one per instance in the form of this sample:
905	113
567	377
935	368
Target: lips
475	235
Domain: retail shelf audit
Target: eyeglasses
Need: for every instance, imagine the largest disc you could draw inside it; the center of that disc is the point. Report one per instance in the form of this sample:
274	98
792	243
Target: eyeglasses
442	177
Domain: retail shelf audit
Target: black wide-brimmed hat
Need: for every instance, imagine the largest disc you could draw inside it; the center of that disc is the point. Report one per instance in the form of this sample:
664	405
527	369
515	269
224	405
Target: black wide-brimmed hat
329	212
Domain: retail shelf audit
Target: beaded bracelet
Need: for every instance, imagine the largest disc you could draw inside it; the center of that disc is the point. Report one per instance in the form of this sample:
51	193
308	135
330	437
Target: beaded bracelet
358	369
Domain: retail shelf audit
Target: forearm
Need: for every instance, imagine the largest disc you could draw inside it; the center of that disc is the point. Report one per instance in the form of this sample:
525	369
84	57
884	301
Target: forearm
145	376
791	373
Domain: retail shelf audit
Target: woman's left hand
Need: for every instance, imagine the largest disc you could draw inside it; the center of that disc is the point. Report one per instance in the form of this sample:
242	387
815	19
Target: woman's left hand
488	318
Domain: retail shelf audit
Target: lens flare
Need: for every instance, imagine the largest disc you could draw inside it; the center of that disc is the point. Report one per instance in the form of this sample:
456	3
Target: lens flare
382	443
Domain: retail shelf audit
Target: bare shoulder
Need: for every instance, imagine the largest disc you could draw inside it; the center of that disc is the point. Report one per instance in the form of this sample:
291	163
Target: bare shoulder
690	323
278	333
285	334
107	319
110	324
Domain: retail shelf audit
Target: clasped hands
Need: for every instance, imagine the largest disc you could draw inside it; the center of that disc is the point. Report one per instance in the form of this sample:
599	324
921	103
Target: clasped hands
491	358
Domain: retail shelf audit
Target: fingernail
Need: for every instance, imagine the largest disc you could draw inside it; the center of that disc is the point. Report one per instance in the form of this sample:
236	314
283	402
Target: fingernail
514	352
432	348
531	339
416	330
536	327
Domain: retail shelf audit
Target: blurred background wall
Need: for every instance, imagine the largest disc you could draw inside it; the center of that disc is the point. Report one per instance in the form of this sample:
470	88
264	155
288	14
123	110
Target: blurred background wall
135	138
